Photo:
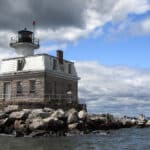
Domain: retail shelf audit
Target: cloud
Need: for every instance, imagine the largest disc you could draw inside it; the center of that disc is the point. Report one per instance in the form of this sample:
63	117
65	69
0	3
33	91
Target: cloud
130	28
113	89
46	49
141	27
66	20
116	89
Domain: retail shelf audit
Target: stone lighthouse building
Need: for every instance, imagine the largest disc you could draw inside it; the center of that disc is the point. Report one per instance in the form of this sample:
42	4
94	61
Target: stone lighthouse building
36	78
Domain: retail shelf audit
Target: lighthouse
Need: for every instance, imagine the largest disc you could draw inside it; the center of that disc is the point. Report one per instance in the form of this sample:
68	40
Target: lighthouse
37	78
25	43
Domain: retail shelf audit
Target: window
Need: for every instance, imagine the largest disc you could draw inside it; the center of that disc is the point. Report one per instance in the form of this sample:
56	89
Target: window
55	88
61	68
69	87
32	86
69	68
20	64
19	88
54	64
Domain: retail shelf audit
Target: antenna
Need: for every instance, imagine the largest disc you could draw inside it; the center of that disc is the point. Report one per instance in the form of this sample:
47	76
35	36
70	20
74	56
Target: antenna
33	23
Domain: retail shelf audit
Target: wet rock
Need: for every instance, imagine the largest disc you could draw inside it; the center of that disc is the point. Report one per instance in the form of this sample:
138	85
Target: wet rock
11	108
74	133
38	133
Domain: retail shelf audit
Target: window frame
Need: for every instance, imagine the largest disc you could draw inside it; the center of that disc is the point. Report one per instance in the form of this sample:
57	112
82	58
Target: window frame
70	68
19	88
20	64
54	64
32	86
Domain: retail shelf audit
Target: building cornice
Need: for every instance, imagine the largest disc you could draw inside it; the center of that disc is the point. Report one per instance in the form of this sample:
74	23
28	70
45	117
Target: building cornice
35	55
32	74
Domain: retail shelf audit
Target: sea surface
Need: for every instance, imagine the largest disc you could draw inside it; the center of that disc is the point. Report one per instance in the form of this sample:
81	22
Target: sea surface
123	139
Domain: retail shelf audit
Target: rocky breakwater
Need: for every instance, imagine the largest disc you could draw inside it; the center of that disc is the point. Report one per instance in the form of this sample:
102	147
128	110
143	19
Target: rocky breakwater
50	122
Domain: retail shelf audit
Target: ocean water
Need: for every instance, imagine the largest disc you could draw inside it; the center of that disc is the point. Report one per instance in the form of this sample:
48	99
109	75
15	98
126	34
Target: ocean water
123	139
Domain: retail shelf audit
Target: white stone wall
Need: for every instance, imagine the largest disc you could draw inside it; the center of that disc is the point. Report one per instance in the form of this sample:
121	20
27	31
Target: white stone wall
8	66
36	63
32	63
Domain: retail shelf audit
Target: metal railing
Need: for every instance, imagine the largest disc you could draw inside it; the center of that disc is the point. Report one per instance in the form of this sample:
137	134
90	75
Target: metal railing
15	40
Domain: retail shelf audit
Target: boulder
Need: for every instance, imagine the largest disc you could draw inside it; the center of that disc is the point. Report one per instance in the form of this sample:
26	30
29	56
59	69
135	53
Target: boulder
6	125
72	126
97	118
133	121
72	110
35	113
53	123
20	128
97	122
18	115
50	119
19	125
6	122
3	115
3	122
141	121
126	122
37	123
27	110
82	115
59	113
50	110
11	108
72	116
147	124
38	133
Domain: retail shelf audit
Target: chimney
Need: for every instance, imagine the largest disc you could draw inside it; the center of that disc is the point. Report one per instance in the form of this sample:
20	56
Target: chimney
60	56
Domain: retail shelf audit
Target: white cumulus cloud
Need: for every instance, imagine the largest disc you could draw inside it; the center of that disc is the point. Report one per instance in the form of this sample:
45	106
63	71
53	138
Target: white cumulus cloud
115	89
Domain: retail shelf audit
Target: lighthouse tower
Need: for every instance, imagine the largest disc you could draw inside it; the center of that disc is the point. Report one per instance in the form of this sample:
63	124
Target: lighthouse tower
37	79
25	43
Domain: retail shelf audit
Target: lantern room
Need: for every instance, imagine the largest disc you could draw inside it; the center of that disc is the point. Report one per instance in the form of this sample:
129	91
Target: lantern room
25	36
25	43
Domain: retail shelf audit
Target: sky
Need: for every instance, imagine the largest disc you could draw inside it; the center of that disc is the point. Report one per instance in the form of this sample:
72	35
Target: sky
107	39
